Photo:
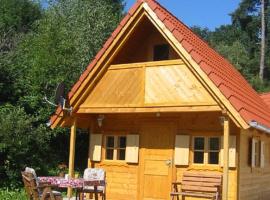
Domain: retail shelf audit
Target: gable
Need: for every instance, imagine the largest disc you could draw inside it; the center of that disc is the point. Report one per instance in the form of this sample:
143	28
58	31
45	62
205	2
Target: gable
147	85
225	84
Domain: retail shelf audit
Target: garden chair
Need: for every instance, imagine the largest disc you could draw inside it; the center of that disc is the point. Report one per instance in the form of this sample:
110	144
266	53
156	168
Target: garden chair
91	174
36	191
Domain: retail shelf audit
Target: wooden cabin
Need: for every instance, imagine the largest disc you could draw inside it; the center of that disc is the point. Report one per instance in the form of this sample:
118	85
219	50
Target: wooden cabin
158	101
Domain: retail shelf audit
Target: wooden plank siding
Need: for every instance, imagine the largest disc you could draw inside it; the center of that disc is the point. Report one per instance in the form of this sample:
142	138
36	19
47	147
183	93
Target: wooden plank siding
253	182
124	180
148	85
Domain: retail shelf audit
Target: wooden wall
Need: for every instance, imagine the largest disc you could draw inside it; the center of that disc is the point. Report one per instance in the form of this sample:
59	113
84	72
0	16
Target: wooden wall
149	85
134	50
123	179
254	183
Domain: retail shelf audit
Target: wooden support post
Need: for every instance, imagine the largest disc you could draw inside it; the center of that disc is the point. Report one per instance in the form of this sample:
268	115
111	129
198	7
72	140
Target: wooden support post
226	133
91	130
71	155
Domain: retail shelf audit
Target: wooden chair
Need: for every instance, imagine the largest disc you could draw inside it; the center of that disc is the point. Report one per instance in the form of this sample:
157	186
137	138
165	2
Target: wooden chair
198	184
38	191
94	174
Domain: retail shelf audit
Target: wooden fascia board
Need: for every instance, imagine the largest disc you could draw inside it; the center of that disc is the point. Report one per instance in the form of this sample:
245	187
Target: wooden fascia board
196	69
168	109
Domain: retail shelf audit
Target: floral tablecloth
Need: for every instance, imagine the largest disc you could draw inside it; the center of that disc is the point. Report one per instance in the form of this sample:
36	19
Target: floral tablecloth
70	182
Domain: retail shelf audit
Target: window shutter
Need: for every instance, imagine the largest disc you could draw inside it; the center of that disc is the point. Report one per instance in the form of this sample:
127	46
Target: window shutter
95	147
232	151
221	151
253	152
262	155
181	151
132	149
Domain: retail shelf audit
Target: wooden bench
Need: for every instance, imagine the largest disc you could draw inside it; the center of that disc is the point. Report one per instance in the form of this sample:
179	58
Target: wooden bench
198	184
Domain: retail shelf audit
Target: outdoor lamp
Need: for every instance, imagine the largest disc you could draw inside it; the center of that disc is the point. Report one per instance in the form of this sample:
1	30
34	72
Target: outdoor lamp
100	120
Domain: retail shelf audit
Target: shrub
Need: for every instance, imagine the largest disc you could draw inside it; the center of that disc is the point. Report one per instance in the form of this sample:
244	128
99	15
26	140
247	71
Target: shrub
17	194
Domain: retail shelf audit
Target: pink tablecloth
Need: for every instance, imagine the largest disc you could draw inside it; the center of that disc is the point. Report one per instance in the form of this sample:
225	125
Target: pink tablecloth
71	182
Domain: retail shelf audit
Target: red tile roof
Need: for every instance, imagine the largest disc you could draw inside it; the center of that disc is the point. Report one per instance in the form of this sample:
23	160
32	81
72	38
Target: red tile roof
266	98
223	74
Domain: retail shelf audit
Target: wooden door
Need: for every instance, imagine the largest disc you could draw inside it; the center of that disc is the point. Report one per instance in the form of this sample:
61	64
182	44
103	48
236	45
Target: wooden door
156	157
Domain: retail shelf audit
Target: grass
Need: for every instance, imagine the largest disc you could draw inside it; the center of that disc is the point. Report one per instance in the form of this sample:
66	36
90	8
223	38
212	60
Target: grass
8	194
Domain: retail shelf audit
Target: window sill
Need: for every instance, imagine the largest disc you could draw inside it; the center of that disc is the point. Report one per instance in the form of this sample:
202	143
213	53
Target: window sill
205	167
113	163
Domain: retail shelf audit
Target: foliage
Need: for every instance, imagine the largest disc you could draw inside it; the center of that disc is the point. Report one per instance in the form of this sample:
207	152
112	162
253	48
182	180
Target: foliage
239	42
21	144
47	46
59	50
16	16
14	194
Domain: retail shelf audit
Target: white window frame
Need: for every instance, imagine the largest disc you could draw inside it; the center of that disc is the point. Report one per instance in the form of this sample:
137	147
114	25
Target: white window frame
257	154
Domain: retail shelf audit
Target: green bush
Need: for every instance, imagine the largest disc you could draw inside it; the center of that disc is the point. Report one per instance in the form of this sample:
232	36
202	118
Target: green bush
7	194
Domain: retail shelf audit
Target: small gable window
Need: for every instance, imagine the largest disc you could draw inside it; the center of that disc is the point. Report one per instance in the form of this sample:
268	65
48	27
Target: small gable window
161	52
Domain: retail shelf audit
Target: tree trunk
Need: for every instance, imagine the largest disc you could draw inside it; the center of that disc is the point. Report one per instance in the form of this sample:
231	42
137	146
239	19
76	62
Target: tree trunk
262	61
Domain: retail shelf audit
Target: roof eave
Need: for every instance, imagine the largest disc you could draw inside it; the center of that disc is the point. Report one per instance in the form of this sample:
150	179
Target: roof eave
258	126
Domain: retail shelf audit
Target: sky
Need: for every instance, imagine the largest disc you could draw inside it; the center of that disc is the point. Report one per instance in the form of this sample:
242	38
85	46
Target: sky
204	13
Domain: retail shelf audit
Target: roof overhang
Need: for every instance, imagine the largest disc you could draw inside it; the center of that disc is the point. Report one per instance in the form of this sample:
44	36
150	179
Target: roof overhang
259	126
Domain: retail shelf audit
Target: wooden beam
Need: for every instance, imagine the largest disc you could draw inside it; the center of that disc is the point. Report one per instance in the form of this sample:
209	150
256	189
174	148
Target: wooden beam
71	155
226	133
147	64
189	108
91	130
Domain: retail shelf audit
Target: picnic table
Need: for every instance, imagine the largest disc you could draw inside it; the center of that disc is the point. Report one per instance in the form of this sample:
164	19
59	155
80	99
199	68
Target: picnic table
75	183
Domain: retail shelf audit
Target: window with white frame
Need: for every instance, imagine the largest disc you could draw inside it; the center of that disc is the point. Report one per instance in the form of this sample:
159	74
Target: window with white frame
257	153
115	147
206	150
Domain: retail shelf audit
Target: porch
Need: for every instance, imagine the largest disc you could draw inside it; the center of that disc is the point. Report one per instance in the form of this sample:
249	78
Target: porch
151	141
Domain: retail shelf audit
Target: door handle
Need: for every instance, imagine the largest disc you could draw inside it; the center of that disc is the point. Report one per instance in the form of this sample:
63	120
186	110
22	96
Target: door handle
168	162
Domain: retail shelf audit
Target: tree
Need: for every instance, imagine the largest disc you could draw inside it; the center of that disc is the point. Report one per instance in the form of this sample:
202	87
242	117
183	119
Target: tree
251	17
60	49
16	20
16	16
56	47
21	144
263	32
